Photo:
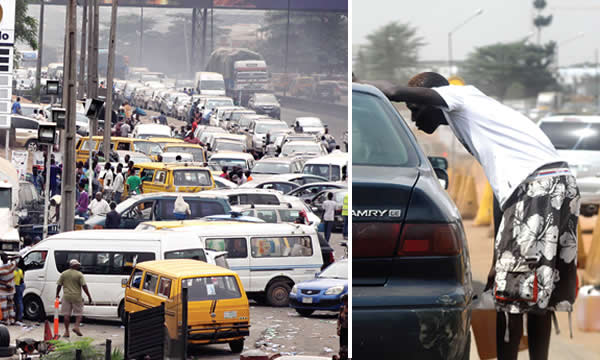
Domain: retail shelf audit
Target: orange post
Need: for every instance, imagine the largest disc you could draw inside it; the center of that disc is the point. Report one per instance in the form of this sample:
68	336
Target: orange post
56	304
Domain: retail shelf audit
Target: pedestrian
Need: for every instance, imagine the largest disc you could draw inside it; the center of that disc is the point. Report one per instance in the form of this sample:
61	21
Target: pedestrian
534	269
126	158
345	216
206	117
159	158
297	127
108	181
128	111
133	182
162	119
16	107
54	208
99	206
324	143
330	141
181	209
7	289
19	289
125	129
71	281
329	207
83	203
36	180
54	174
191	139
224	173
113	218
118	184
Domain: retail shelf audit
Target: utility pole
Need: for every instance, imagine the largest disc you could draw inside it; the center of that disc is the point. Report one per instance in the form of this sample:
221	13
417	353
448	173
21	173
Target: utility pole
287	45
204	18
597	82
212	35
193	42
68	171
82	81
94	64
38	67
141	49
109	78
90	45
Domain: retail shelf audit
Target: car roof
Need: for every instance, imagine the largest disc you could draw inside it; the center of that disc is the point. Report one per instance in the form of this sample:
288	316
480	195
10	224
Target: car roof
340	158
170	224
250	229
301	142
183	268
162	195
281	159
269	121
231	154
282	206
183	144
172	166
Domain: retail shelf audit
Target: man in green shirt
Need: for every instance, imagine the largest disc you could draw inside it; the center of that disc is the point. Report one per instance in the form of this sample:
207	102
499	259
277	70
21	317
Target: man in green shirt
133	182
72	281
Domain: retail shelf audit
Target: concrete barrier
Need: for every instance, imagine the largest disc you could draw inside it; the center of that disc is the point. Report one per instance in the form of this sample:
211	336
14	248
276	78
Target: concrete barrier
486	207
467	199
317	106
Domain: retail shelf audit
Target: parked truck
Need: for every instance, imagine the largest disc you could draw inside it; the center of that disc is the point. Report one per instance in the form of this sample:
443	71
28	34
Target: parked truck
244	71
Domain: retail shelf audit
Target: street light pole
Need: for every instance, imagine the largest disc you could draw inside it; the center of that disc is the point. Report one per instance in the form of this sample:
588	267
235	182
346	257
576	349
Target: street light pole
38	67
467	20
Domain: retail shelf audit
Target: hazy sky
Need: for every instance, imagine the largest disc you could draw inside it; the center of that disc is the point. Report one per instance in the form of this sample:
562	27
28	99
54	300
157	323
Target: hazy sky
501	20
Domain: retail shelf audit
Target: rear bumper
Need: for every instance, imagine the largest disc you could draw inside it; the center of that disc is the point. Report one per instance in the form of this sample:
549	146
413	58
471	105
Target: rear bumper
319	302
411	333
218	334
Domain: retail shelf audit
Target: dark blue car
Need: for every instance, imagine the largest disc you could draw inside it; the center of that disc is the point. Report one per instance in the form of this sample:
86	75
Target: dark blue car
411	279
324	292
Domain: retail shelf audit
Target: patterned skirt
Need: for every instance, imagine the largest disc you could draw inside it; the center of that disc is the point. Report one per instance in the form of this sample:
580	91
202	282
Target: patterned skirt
536	245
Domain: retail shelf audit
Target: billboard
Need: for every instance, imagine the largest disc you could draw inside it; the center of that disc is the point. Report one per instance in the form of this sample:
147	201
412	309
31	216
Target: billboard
296	5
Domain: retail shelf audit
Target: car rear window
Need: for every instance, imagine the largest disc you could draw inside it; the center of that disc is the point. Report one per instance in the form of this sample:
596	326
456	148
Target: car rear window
194	254
191	178
199	208
212	288
573	135
378	138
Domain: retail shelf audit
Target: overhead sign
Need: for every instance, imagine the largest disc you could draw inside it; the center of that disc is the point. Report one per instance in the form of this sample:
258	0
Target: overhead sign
7	22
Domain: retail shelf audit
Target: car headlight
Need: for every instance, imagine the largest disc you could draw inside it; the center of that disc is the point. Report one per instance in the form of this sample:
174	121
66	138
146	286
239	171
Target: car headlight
294	290
336	290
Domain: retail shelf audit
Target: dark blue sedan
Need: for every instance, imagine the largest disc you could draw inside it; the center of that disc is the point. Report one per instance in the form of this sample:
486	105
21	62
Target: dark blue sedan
324	292
411	279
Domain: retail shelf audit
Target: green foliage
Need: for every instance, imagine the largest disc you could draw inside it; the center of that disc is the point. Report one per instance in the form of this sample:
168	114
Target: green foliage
117	354
26	29
539	4
495	68
391	52
66	350
318	41
541	21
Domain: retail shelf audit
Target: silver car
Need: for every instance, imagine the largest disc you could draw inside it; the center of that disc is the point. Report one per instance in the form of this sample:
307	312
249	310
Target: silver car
577	139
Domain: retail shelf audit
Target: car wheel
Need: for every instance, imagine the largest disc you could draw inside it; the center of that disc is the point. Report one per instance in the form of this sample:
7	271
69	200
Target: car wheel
4	336
236	346
305	312
31	145
122	313
278	294
33	308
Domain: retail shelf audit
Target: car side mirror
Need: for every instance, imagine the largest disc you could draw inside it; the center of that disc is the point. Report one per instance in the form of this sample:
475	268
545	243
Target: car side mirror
124	282
438	162
442	176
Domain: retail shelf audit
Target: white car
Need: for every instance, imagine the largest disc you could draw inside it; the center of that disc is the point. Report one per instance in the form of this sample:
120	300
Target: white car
311	125
258	130
171	157
304	149
146	131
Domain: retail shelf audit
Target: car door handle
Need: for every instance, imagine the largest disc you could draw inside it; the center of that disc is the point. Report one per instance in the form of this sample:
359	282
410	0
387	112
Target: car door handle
41	277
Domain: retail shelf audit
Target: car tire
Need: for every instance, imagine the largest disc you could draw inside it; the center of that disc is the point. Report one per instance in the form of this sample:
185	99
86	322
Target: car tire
4	337
305	312
31	145
7	351
122	313
236	346
278	294
33	308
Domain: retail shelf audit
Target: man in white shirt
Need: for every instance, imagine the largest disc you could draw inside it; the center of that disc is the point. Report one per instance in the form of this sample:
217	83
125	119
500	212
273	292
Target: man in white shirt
118	187
329	207
535	255
108	180
99	206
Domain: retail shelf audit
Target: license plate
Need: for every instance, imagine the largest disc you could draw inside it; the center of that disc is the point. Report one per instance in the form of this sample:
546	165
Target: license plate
230	314
307	300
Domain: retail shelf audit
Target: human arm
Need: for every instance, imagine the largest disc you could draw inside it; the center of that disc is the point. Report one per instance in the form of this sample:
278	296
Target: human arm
58	288
415	95
87	292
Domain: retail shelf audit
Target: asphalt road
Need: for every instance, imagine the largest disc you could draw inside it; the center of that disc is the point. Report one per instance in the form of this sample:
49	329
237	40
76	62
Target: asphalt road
337	122
272	329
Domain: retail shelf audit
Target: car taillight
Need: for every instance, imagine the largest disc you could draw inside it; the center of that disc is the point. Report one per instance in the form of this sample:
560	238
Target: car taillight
98	227
331	258
374	239
429	239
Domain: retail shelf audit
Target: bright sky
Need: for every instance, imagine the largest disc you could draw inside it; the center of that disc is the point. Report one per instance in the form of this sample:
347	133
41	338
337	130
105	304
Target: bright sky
501	21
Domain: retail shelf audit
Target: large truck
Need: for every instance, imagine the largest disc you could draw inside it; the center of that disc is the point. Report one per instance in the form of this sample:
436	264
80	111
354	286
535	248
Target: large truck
244	71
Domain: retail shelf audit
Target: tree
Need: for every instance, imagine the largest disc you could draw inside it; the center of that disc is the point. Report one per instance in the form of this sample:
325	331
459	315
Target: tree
26	27
495	68
540	21
318	41
391	51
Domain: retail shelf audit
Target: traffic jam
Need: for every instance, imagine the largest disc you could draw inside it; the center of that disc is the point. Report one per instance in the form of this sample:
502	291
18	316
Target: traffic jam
219	198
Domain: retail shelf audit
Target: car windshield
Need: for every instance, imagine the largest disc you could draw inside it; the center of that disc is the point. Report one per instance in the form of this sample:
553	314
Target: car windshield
147	147
198	154
264	128
322	170
229	146
191	177
337	270
310	122
212	288
214	103
291	148
271	168
229	163
266	98
138	158
573	135
235	116
212	85
5	198
378	137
